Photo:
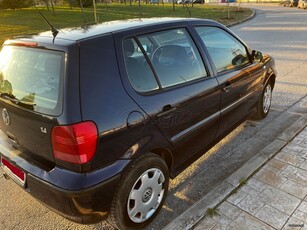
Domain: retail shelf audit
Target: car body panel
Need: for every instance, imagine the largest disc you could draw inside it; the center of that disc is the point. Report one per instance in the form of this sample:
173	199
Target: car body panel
178	123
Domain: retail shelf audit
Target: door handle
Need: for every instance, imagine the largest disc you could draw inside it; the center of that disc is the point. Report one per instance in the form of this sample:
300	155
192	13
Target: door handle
167	109
227	87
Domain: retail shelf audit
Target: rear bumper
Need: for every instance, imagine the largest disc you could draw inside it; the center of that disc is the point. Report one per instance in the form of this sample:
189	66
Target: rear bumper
85	206
81	197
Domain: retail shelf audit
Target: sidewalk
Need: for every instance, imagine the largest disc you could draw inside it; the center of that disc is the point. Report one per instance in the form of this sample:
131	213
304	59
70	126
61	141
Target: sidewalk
267	192
273	198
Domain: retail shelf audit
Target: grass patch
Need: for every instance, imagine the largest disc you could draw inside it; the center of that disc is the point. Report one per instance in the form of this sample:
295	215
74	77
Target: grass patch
28	21
212	212
243	181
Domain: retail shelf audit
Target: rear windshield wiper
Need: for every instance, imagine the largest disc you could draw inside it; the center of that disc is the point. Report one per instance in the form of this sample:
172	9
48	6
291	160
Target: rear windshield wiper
12	98
8	96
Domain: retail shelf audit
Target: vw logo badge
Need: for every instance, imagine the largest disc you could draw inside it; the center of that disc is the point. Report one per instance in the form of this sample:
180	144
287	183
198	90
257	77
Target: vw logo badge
6	117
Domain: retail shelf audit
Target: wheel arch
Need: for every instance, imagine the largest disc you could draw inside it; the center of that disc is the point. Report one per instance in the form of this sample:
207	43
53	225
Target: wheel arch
167	156
271	78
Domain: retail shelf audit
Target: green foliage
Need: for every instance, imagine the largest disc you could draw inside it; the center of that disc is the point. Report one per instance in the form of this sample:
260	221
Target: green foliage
16	4
85	3
242	182
212	212
28	21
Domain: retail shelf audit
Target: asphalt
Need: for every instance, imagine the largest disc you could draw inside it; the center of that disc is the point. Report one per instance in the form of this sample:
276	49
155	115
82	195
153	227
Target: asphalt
267	192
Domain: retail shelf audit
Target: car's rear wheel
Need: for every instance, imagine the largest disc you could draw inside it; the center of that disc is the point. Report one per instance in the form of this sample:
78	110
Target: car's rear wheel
264	103
141	193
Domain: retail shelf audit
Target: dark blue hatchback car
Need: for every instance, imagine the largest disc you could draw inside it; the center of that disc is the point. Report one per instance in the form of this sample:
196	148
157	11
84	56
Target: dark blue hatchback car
96	120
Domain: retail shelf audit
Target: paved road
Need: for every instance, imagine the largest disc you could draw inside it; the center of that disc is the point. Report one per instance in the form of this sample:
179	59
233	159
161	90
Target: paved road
279	31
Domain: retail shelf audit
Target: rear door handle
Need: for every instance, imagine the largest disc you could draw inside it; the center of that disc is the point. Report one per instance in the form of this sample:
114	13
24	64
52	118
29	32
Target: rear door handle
166	110
227	87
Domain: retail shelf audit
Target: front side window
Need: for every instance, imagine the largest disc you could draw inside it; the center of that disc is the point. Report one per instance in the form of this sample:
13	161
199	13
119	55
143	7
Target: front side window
225	50
31	77
170	54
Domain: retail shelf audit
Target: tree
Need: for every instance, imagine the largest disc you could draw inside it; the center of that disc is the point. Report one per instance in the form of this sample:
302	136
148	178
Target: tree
140	9
83	15
85	3
47	4
16	4
95	11
52	5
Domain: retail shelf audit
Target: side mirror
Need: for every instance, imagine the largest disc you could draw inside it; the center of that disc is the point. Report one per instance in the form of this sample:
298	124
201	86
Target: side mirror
238	60
257	56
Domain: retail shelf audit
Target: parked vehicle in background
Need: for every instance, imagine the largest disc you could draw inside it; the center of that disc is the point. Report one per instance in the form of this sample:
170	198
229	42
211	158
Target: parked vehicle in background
302	4
198	1
96	120
154	1
183	1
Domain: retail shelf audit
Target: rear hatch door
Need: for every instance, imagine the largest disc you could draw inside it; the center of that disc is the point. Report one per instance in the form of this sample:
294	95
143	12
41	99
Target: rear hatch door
30	91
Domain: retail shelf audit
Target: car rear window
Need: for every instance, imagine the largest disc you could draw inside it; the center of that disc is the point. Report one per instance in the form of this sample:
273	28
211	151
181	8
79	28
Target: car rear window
31	78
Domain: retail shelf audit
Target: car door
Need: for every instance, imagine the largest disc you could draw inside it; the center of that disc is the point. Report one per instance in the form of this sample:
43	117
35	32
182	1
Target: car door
238	77
168	79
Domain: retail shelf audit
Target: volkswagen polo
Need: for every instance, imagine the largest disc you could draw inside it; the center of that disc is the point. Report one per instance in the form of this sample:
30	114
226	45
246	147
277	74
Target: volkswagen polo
95	120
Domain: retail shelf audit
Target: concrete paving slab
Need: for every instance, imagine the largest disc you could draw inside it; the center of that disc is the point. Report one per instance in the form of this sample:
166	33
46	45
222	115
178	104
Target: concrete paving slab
291	157
251	204
229	210
257	184
207	223
250	191
294	224
295	189
295	174
237	197
274	179
245	221
279	165
303	207
299	215
279	200
272	216
194	214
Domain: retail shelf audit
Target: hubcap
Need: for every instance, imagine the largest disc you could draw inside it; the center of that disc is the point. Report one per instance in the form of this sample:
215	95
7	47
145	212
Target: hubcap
146	195
267	97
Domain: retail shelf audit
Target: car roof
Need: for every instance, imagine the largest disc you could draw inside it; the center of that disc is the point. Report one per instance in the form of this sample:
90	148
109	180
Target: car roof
81	33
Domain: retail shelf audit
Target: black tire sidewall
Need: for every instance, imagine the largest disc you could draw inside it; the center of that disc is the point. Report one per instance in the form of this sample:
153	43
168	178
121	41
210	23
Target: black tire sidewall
118	214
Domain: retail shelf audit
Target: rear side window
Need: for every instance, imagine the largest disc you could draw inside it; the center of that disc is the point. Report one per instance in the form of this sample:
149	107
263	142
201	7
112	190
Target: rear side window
140	75
171	55
31	78
225	50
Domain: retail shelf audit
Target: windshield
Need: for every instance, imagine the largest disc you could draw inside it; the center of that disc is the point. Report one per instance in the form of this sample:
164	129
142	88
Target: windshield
31	78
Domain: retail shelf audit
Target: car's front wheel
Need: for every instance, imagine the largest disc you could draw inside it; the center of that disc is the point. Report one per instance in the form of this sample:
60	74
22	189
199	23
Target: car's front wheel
141	193
264	103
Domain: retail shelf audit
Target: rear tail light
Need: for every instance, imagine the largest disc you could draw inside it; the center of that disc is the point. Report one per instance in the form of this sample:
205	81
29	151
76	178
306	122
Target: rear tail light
75	143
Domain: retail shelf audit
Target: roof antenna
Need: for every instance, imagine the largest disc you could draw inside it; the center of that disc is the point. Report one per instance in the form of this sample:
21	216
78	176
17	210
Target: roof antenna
53	30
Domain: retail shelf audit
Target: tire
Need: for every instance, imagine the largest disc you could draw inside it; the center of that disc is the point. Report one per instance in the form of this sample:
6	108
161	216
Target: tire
264	103
140	194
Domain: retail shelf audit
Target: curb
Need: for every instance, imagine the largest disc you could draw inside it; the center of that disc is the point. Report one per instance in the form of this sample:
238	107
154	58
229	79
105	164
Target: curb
243	20
220	193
